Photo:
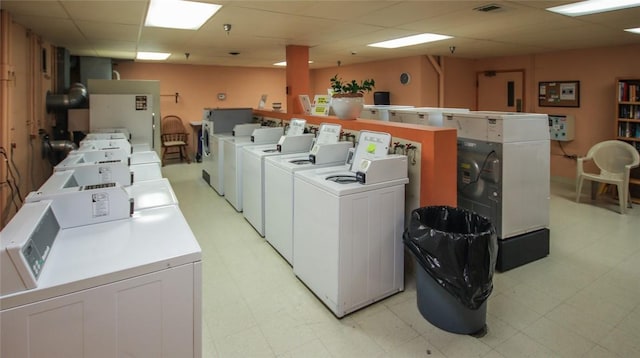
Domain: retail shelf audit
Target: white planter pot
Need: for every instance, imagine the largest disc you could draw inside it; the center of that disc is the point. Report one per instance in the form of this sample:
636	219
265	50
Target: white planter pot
347	107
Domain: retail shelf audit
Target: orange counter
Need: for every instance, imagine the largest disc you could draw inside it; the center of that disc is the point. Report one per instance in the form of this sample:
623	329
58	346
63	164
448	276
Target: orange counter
438	156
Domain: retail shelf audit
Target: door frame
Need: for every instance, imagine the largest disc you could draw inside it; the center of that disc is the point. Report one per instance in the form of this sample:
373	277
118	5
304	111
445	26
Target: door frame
517	70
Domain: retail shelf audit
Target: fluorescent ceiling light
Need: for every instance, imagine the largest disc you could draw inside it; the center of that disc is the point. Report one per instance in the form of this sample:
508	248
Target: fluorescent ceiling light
157	56
178	14
410	40
634	30
284	63
593	7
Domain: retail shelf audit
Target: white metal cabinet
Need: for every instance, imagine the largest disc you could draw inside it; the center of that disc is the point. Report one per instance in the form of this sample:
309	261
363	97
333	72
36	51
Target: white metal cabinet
153	315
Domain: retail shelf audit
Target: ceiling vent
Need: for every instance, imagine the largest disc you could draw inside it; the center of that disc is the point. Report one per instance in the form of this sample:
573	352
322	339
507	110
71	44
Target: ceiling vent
488	8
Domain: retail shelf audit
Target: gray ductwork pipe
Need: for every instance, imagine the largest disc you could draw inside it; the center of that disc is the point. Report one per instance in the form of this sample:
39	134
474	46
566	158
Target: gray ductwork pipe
76	97
62	146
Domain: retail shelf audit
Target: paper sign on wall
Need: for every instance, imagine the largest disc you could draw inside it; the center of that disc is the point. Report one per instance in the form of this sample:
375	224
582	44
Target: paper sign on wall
329	133
321	105
296	126
306	103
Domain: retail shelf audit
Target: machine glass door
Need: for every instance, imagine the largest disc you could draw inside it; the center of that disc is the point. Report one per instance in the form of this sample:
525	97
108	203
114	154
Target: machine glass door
206	129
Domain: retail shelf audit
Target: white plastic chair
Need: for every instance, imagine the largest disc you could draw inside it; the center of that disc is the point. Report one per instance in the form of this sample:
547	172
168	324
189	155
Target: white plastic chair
615	159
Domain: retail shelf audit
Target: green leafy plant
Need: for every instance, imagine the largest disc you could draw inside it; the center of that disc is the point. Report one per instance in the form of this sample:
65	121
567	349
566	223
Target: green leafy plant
353	88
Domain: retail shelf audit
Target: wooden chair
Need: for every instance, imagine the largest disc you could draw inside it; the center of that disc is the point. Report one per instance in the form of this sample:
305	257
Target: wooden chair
174	136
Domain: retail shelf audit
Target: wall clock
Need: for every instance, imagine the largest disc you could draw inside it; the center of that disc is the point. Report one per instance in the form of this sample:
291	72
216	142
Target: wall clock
405	78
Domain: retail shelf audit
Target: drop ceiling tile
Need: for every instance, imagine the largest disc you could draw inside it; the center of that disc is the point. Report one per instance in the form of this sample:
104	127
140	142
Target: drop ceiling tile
95	30
34	8
130	12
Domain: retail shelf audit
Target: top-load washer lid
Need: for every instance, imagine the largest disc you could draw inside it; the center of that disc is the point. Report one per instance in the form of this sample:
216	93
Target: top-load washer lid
301	161
151	193
148	171
342	178
318	178
145	158
92	144
261	150
106	135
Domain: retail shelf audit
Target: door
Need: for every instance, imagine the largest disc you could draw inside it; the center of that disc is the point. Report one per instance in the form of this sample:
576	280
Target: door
500	90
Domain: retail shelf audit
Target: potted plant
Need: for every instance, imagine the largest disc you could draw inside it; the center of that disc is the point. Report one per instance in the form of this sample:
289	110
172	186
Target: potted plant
348	97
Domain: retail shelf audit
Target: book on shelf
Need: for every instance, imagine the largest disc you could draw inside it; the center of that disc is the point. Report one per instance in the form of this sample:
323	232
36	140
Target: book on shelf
629	111
628	92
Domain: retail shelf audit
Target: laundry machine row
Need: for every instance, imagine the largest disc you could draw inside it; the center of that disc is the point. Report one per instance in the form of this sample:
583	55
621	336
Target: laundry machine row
111	260
253	164
219	123
278	184
232	165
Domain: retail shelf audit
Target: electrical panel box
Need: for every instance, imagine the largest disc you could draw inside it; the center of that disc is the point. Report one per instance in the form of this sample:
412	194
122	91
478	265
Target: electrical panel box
561	127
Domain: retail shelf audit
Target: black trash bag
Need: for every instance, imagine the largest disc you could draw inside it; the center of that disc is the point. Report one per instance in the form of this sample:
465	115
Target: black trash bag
457	248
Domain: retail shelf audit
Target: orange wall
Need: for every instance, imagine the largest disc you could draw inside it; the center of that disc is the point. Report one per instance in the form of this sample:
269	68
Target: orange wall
459	83
199	86
596	69
421	91
24	90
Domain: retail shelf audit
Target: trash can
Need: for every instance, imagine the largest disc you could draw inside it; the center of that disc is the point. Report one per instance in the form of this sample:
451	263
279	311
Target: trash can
456	250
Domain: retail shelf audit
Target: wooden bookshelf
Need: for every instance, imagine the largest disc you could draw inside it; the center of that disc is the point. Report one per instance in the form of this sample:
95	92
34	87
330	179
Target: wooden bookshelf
627	120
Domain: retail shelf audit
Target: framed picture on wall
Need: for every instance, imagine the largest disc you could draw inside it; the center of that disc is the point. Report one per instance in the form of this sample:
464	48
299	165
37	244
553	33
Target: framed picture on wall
559	94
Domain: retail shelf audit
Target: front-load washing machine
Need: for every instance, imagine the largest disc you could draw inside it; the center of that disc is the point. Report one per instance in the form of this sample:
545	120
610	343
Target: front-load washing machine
232	162
253	173
347	232
504	175
279	213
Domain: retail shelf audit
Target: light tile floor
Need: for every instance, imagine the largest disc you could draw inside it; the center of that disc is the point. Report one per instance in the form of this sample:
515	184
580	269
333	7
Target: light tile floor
583	300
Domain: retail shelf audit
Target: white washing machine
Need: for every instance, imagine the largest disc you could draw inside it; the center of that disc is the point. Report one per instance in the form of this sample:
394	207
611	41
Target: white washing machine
425	116
232	165
504	175
253	174
217	124
213	162
347	232
148	157
148	171
105	155
130	287
379	111
145	194
279	213
123	130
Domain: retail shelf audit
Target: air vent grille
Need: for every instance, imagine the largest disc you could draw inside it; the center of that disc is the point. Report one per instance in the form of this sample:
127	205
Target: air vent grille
488	8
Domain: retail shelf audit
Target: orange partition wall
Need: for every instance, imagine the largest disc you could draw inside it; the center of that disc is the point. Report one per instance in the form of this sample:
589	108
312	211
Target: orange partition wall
438	155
